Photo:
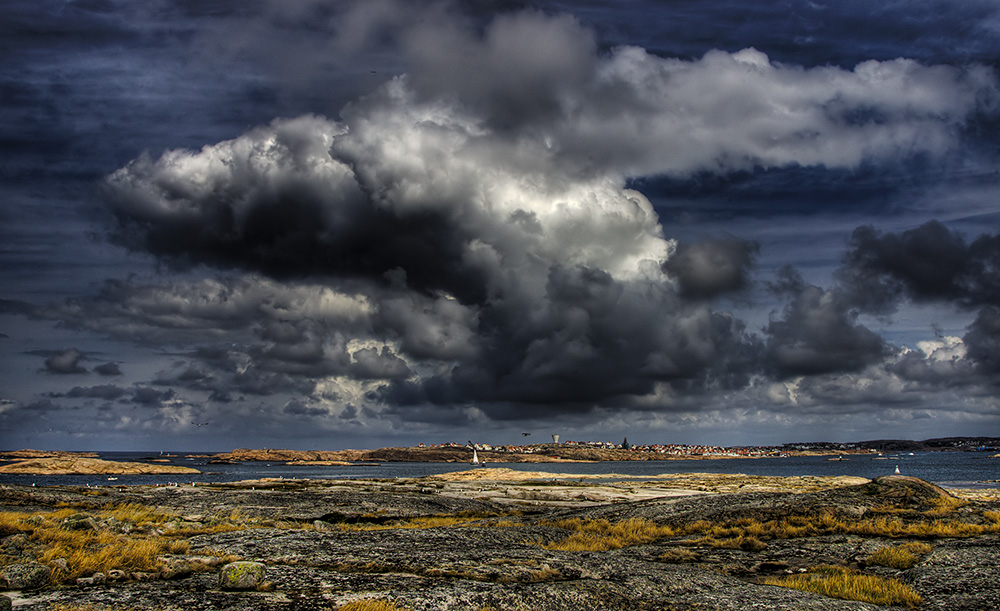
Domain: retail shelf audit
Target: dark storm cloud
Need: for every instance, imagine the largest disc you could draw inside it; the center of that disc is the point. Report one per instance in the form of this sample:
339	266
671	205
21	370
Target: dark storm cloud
928	263
518	71
465	235
917	366
108	369
712	267
151	397
108	392
982	341
66	362
592	341
379	364
12	306
297	408
45	405
818	332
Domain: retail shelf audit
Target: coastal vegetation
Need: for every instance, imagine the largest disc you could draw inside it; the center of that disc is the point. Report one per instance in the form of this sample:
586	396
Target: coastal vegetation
751	534
602	535
847	584
386	544
91	607
130	538
370	604
900	557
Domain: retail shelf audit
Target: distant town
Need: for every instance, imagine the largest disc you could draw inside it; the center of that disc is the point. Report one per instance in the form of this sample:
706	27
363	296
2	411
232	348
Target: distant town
966	444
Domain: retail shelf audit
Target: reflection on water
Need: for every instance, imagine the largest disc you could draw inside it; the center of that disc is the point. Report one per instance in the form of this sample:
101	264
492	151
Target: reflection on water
949	469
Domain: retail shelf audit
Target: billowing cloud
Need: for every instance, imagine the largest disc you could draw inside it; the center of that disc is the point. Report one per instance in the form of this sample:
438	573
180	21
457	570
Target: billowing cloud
818	332
712	267
983	342
151	397
927	263
464	233
65	362
108	369
297	408
44	405
108	392
459	246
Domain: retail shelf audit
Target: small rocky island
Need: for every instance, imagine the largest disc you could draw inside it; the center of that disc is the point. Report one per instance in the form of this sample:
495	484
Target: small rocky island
498	539
76	465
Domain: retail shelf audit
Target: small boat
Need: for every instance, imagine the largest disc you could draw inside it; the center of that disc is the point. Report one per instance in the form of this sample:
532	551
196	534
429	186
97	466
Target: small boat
897	470
475	457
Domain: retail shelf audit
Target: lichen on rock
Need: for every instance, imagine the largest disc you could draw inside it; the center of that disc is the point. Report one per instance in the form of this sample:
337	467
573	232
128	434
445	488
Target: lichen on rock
241	576
25	576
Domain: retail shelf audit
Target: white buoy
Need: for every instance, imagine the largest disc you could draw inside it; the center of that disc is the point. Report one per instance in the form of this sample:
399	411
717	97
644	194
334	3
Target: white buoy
897	469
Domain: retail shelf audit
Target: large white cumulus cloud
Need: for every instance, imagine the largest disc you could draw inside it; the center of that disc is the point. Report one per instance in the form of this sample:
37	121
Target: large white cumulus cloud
539	77
475	211
729	111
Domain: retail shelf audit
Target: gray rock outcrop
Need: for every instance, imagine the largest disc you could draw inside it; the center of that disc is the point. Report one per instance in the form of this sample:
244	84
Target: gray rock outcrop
241	576
427	545
25	576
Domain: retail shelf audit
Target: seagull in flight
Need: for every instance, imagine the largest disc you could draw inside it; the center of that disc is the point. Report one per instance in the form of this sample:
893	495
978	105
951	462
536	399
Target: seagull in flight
201	424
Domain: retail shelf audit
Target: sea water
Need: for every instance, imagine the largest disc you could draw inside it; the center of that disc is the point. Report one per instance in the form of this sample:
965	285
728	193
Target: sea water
947	469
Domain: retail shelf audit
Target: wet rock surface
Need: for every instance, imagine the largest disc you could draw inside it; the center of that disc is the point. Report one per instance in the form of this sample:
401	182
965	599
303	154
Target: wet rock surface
322	545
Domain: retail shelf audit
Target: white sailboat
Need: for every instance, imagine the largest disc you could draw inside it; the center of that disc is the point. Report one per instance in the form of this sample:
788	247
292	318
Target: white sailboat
475	457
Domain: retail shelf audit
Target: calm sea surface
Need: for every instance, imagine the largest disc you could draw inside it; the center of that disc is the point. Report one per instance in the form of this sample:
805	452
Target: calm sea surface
949	469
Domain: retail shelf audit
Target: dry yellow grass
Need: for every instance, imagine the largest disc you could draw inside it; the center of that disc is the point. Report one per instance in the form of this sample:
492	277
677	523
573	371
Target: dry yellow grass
838	582
445	521
601	535
371	604
87	551
678	556
751	534
91	607
900	557
894	557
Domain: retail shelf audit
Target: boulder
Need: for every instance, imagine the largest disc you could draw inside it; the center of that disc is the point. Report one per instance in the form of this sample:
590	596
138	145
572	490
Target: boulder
241	576
27	576
80	521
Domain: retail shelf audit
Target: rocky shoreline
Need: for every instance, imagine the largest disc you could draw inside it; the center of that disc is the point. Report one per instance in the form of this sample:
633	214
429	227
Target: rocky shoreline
504	540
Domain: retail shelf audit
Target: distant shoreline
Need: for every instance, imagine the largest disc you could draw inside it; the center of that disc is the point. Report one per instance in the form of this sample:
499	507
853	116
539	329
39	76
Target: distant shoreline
68	462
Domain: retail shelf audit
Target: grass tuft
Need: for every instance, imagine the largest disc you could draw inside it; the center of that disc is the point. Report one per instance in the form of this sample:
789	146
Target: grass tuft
89	607
120	537
371	604
845	584
601	535
441	521
679	556
900	557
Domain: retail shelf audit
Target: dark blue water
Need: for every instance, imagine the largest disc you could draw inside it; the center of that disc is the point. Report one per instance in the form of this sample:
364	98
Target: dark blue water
949	469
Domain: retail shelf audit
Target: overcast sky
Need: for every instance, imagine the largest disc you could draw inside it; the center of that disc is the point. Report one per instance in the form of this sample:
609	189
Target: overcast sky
330	224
